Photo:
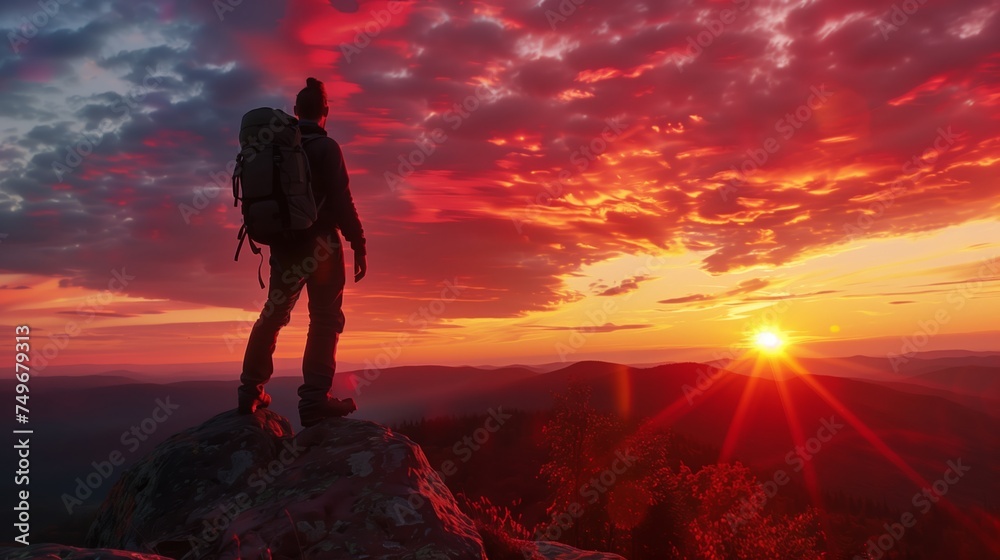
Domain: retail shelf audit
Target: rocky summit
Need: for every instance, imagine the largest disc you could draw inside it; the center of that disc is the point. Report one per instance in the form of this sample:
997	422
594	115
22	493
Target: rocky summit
243	486
48	551
247	487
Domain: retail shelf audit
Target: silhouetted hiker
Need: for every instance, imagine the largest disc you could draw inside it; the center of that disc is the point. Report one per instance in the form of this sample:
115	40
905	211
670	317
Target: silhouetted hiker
317	263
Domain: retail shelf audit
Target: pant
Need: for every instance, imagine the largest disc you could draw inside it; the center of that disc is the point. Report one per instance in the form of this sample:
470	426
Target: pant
317	264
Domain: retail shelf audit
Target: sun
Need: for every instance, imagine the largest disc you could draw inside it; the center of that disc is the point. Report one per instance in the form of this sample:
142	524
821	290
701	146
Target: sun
769	341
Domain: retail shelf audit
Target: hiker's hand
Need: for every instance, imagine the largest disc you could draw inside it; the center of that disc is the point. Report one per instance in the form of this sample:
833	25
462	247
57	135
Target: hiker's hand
360	267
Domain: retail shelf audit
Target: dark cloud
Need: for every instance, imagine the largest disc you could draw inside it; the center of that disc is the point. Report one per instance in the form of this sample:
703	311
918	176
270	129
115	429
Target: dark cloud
48	136
967	281
24	106
98	313
71	43
780	297
689	299
606	327
625	286
743	288
140	63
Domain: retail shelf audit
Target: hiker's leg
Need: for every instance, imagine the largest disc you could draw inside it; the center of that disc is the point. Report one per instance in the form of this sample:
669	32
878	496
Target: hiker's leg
283	291
326	321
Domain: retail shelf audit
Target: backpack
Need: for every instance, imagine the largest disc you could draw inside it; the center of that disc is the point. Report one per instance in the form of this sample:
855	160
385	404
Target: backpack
273	181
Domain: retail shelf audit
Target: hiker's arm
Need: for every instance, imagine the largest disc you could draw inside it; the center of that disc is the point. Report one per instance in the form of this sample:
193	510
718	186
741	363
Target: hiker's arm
343	204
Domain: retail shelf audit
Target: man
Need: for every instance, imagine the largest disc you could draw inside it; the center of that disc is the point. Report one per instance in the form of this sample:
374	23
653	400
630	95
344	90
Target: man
316	263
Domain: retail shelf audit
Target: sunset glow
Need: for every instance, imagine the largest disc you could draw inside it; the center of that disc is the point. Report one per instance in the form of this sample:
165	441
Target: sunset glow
613	194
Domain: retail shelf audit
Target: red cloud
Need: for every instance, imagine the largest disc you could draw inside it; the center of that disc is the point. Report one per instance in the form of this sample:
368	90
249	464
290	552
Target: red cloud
529	185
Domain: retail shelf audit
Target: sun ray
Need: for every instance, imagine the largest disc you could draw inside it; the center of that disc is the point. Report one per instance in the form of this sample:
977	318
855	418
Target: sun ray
887	452
809	473
736	424
767	342
680	407
799	438
857	423
685	404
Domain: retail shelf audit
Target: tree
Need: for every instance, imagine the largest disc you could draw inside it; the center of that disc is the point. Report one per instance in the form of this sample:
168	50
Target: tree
724	510
605	474
574	435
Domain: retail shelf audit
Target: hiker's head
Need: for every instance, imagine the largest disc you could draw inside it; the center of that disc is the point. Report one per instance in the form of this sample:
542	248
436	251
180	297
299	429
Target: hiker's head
310	103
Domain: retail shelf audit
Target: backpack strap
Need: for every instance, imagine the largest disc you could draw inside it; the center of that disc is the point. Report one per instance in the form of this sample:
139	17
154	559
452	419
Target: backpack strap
305	140
242	235
237	171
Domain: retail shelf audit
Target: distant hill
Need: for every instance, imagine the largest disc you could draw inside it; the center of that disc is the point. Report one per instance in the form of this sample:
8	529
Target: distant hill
897	369
983	403
967	380
111	378
81	421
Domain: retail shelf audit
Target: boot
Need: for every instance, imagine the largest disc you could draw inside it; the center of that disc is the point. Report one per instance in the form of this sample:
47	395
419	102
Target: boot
248	404
312	414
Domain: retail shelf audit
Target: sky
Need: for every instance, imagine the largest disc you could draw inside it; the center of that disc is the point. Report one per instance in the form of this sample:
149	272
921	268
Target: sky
538	181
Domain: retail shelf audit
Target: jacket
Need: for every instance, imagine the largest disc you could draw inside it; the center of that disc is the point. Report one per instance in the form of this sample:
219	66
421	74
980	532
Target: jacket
330	186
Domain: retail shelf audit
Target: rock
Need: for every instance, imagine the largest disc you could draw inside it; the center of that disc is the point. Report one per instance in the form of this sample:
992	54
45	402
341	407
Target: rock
243	486
559	551
46	551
